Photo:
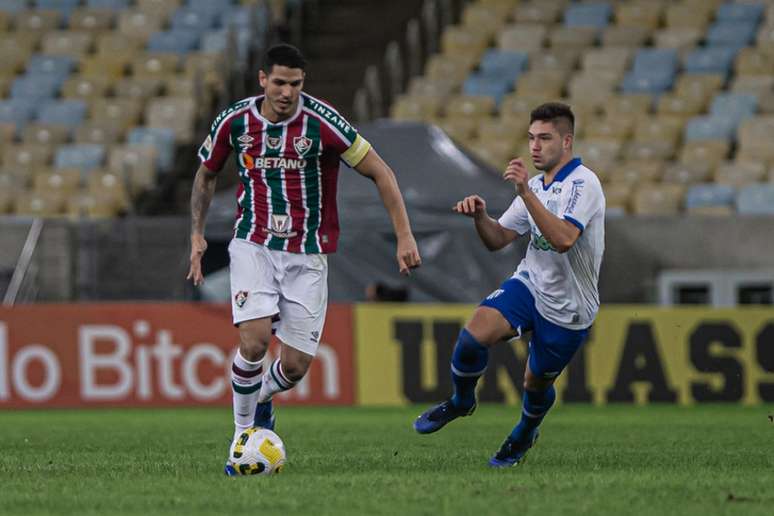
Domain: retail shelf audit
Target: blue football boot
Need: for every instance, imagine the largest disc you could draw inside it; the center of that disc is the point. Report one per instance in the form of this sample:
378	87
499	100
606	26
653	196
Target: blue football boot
433	419
264	416
512	452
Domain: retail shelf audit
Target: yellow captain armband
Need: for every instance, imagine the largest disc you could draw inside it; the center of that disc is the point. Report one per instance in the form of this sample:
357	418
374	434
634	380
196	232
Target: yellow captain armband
356	152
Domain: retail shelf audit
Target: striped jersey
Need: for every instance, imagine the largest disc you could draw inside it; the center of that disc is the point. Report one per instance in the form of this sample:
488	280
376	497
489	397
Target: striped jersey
286	199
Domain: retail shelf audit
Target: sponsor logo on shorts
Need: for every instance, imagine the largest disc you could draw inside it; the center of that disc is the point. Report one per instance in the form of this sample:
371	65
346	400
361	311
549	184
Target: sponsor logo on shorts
240	298
315	336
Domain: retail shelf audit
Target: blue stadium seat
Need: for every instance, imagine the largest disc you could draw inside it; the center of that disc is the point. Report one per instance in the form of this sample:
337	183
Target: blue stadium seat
740	12
16	111
732	33
178	41
503	63
241	17
649	60
709	195
85	156
200	21
160	137
718	59
654	82
69	113
13	6
208	5
48	64
486	85
756	199
710	128
734	106
113	5
36	88
596	15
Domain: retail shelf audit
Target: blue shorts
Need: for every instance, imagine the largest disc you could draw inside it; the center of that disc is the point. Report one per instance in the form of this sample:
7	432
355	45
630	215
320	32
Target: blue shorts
551	347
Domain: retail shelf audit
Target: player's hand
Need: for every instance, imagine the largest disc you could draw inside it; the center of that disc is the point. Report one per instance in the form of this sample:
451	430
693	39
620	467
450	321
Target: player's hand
198	246
408	255
516	173
472	206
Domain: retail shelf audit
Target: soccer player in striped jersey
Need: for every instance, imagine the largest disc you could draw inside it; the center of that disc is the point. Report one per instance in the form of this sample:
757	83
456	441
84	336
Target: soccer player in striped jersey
553	292
287	147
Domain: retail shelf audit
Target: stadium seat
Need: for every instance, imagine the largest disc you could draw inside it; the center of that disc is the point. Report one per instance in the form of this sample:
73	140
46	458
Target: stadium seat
91	205
109	186
740	173
681	106
740	12
68	113
104	66
67	43
649	129
113	5
138	25
42	64
36	88
753	61
679	38
458	40
159	8
638	14
549	83
495	153
13	6
470	106
657	200
94	21
502	63
654	59
630	105
755	85
710	60
652	83
484	85
13	59
650	150
155	65
599	150
731	33
703	85
26	157
123	113
637	172
66	181
733	106
688	16
448	68
100	133
687	173
516	105
137	163
709	128
461	130
592	14
45	134
710	199
492	16
81	156
416	108
522	37
572	37
176	113
139	88
16	111
112	43
608	128
506	129
214	41
756	199
162	138
592	88
37	21
607	58
705	150
179	41
538	12
617	199
34	204
86	88
755	139
625	36
565	59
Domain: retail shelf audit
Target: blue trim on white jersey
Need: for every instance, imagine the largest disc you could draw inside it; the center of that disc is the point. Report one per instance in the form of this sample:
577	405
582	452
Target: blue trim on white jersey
575	222
563	172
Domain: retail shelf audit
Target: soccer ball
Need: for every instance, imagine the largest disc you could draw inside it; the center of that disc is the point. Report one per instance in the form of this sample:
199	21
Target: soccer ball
257	451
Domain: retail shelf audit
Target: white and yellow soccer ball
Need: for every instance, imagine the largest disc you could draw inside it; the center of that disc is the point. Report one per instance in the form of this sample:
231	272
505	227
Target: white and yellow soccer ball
257	451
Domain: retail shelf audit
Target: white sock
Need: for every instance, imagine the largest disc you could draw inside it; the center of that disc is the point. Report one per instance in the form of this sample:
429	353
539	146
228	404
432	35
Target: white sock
274	381
245	385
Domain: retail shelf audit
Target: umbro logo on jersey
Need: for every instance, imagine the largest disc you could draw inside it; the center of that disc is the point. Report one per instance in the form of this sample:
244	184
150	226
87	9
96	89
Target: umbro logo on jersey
302	144
246	139
273	142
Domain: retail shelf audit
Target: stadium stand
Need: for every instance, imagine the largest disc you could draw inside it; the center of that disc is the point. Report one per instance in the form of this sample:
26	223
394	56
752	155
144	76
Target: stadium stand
674	99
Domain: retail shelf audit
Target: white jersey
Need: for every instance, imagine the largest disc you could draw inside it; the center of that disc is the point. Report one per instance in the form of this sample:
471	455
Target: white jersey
564	284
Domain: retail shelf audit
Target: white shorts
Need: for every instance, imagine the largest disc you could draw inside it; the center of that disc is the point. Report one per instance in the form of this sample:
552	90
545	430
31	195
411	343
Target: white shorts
265	282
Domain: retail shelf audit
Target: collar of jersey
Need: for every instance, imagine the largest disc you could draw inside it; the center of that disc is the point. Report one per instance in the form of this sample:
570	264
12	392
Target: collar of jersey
259	116
563	173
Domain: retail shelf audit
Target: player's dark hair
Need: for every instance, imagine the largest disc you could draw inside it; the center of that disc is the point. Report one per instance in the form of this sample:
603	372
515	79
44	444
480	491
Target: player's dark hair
283	55
556	113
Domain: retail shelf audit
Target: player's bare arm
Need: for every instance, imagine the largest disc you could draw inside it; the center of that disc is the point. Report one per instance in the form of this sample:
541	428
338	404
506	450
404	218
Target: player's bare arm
561	234
373	167
201	196
492	234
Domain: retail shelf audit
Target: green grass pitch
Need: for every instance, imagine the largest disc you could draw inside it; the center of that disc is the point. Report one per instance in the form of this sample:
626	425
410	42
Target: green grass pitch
360	461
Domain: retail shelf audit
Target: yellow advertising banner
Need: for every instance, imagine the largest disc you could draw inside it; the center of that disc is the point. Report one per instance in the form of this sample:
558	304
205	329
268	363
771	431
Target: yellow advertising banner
635	354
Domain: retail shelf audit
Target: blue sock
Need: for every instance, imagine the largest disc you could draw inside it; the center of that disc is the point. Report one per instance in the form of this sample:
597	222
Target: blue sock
534	409
468	363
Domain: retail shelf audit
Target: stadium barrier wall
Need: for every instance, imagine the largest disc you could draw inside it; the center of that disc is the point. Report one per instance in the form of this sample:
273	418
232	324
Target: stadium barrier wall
636	354
150	354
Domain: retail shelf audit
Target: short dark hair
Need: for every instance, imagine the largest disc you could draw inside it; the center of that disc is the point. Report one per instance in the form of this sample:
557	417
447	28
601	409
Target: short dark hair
283	55
554	112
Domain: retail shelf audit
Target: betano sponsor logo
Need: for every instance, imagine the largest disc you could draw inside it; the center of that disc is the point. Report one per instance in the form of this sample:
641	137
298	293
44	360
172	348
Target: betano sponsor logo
251	162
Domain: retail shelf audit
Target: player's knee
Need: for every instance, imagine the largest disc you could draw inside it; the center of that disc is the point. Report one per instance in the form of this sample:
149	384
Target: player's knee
252	345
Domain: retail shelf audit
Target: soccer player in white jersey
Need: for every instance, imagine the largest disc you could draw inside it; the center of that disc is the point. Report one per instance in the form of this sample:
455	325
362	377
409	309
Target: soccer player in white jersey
287	146
553	292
